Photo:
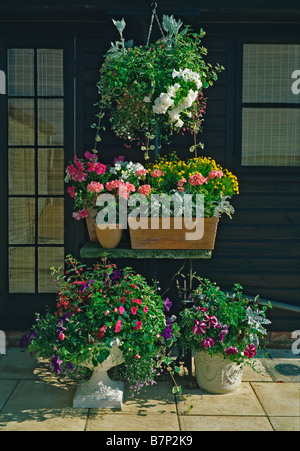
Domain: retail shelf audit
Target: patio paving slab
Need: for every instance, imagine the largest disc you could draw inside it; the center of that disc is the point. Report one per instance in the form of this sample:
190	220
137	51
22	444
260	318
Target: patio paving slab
40	395
285	424
6	388
17	364
224	423
279	399
99	421
44	420
240	402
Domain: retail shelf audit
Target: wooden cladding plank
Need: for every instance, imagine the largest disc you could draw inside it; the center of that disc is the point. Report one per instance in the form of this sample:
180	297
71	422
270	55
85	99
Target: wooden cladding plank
254	265
257	249
262	232
262	200
251	216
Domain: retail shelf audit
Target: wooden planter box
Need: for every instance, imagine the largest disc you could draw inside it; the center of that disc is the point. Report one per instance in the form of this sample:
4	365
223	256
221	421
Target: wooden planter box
172	238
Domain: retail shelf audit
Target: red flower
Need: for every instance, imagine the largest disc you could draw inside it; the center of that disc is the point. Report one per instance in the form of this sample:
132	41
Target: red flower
138	325
134	310
138	301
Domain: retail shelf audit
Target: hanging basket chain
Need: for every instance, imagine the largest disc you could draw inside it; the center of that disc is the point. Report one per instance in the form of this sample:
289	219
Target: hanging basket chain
154	15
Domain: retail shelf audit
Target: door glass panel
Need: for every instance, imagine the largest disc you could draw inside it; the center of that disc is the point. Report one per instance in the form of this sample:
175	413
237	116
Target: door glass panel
50	72
21	220
21	270
21	174
20	72
50	122
35	167
49	257
21	122
51	171
51	221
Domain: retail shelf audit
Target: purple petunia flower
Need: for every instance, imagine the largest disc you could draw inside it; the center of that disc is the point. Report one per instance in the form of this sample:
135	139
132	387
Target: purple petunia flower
56	364
86	285
207	343
232	350
168	304
211	321
199	328
167	332
26	339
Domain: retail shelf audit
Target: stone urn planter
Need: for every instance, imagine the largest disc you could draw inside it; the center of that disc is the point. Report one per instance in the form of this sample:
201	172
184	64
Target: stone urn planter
216	374
100	392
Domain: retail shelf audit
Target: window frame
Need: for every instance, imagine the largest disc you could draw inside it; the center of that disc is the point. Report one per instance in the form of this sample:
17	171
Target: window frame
262	39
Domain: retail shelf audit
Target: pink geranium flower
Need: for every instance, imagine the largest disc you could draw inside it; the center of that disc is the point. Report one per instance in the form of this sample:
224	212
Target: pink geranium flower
71	191
95	187
144	189
197	179
138	325
80	214
134	310
214	173
118	326
121	310
157	173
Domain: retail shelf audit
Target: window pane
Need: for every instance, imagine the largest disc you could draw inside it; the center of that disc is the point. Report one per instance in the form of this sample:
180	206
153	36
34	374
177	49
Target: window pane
267	72
21	122
51	221
51	171
20	68
21	270
50	72
21	220
50	122
271	137
48	257
21	177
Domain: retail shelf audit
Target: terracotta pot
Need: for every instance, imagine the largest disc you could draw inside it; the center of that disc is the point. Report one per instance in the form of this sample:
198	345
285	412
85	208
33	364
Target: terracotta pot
91	224
217	374
156	234
110	237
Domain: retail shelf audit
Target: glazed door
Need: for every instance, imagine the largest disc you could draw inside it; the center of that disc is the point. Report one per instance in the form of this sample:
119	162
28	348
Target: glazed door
36	140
